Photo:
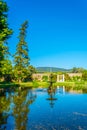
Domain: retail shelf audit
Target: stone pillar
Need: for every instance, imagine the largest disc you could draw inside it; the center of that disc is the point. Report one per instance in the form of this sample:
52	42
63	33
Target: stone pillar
63	78
57	78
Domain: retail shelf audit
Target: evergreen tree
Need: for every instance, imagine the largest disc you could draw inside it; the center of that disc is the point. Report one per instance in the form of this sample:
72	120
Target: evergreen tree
21	57
5	33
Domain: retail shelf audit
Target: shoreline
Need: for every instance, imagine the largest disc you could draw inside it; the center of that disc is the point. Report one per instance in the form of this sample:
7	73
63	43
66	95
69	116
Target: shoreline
34	84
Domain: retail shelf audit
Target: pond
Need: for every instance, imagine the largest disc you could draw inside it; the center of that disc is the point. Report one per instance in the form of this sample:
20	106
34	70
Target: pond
43	109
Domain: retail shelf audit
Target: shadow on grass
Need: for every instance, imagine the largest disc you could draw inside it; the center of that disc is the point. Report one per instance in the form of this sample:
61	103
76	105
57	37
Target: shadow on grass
8	84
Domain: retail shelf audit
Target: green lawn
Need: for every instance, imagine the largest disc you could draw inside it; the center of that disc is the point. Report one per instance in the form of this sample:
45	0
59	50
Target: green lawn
4	84
75	85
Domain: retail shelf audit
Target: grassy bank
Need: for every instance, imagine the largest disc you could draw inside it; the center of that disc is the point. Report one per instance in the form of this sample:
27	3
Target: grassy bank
34	84
6	85
74	85
64	84
24	84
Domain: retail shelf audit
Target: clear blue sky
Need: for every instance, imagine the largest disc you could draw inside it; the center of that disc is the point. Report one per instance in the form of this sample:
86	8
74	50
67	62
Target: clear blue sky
57	33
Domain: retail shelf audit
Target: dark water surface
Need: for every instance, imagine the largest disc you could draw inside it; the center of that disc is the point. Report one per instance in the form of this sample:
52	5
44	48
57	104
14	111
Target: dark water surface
43	109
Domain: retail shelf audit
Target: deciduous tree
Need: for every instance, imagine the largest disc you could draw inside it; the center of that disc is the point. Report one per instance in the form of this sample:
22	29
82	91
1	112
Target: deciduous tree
5	33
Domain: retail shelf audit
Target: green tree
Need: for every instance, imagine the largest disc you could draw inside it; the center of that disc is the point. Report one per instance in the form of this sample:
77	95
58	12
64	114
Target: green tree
45	78
84	75
77	70
67	77
5	33
53	77
29	73
7	70
21	57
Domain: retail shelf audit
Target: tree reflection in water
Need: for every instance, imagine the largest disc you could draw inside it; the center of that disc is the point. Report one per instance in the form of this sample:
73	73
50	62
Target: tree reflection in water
4	108
51	93
15	105
22	100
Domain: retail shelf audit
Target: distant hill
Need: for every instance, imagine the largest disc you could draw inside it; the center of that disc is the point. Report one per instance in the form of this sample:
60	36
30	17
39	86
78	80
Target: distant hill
51	69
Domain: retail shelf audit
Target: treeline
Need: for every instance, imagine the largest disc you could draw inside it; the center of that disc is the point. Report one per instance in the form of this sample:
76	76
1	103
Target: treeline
21	70
55	69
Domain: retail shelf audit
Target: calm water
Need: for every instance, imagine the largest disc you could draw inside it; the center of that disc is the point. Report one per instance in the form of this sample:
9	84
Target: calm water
43	109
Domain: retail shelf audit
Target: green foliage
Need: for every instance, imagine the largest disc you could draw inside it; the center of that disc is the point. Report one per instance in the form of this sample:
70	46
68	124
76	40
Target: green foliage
77	70
53	77
7	67
84	75
76	78
19	73
67	77
45	78
22	71
29	73
21	57
5	33
7	70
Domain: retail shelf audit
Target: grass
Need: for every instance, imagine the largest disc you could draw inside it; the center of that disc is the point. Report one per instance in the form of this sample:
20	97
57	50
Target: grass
64	84
35	84
5	84
24	84
82	85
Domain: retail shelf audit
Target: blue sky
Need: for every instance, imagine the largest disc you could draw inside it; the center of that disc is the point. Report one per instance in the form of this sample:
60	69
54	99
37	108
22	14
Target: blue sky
57	33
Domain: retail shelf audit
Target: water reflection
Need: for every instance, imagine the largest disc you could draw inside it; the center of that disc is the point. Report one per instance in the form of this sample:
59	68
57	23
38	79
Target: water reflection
61	89
15	106
22	100
4	108
51	95
21	109
76	89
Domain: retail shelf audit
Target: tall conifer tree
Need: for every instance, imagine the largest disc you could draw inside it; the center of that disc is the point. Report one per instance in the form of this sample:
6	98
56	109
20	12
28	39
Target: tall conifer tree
21	57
